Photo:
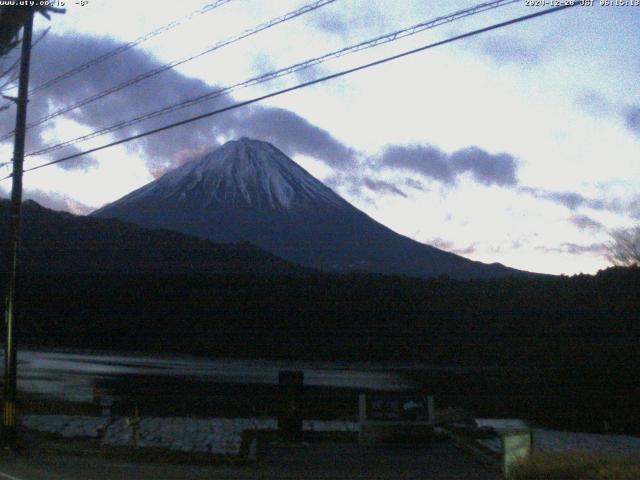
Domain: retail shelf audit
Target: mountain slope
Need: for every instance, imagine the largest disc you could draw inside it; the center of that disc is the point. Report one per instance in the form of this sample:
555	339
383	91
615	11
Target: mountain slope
55	243
248	190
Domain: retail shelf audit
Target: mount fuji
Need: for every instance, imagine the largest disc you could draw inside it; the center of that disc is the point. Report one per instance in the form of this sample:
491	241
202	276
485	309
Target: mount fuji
248	190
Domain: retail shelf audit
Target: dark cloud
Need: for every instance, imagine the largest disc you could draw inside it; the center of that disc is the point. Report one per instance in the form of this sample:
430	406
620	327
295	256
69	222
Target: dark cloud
382	186
84	162
508	49
584	222
165	150
359	186
429	161
571	200
291	133
425	159
350	180
58	54
414	183
632	118
488	169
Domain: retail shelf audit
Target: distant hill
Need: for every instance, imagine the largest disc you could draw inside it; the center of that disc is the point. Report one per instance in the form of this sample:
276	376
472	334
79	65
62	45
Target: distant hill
248	190
56	243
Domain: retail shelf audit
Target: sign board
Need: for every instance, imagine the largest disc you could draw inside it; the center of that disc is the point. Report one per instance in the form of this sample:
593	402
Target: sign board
399	408
516	445
393	417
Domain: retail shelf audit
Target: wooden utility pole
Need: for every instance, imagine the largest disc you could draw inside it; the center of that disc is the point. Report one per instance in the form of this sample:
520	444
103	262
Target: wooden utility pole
10	351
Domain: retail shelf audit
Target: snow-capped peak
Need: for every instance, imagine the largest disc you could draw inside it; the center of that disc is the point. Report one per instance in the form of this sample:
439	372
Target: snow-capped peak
242	172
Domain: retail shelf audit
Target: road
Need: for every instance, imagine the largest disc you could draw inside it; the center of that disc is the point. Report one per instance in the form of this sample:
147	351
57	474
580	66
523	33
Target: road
318	461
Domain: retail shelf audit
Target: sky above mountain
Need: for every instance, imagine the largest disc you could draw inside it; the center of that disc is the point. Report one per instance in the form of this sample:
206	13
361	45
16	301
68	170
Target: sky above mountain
518	146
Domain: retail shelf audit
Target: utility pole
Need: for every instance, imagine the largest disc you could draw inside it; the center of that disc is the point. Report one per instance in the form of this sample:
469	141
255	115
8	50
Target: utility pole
10	351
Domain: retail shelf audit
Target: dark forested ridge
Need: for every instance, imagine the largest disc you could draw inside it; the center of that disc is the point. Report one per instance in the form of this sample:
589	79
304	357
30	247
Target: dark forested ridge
108	284
576	337
581	320
59	243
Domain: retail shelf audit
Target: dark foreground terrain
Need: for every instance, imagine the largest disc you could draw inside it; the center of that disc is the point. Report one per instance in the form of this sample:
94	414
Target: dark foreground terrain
65	460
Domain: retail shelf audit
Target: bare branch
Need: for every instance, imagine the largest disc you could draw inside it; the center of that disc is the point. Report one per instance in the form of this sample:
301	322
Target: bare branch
624	248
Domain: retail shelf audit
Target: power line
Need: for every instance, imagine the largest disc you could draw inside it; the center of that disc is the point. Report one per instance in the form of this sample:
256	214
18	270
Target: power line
127	46
175	63
306	84
13	66
390	37
6	87
17	60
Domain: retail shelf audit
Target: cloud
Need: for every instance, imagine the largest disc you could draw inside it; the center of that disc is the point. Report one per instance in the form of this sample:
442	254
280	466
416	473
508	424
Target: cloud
180	158
576	249
571	200
57	201
440	243
292	134
632	118
449	246
594	104
634	208
52	200
382	186
425	159
84	162
574	201
508	49
486	168
348	20
165	150
329	22
358	185
597	105
415	184
465	250
584	222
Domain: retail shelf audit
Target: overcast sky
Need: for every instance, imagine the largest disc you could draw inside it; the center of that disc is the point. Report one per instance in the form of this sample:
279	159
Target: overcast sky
519	146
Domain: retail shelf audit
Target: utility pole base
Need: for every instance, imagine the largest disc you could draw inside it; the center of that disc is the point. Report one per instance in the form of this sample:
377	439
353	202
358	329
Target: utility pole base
9	424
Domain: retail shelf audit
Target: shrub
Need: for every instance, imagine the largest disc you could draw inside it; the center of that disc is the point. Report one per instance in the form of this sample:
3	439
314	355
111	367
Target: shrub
576	466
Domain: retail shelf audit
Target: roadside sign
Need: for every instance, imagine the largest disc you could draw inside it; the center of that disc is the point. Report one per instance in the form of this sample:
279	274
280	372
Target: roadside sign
399	407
